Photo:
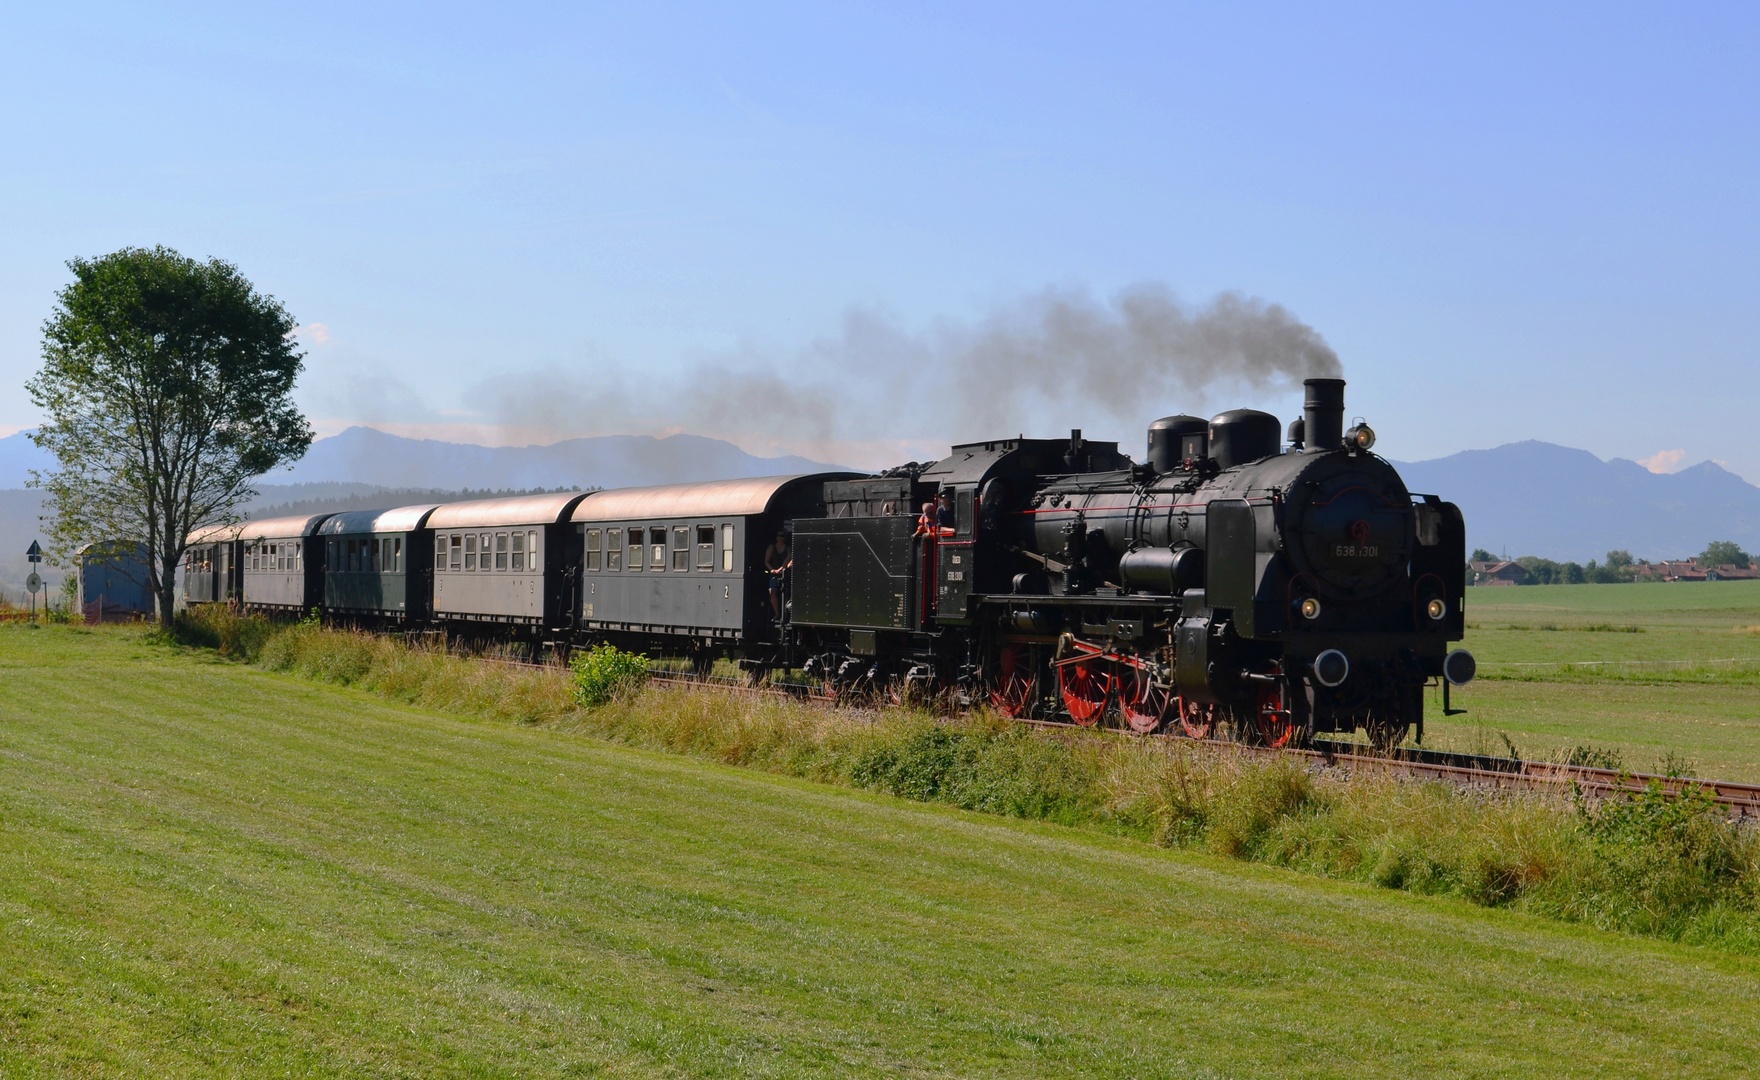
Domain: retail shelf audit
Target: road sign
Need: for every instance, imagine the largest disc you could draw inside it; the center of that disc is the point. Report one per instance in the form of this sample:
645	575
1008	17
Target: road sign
34	554
34	583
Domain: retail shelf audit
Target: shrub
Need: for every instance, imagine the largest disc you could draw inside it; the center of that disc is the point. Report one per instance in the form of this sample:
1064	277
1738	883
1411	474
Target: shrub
604	672
224	629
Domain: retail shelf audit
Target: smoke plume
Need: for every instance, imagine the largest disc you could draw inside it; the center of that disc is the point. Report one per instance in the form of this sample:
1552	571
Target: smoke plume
1058	358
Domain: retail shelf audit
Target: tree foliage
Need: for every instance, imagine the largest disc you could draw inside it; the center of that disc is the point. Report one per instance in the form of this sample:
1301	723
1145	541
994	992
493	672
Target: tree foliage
1724	553
166	386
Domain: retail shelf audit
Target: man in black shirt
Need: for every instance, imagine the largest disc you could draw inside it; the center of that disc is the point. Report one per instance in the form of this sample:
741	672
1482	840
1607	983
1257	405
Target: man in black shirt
776	563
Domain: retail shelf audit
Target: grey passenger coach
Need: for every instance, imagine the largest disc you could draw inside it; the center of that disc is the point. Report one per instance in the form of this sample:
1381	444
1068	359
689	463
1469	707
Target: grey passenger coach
377	563
282	571
211	572
503	560
686	559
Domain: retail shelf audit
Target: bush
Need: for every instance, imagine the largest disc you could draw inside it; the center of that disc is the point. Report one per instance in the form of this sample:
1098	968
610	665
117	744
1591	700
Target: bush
604	672
224	629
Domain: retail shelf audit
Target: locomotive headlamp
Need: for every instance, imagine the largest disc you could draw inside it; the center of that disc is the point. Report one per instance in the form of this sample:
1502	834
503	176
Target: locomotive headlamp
1360	437
1437	609
1309	607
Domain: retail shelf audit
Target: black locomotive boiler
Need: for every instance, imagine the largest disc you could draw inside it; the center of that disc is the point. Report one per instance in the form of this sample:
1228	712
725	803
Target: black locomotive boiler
1225	581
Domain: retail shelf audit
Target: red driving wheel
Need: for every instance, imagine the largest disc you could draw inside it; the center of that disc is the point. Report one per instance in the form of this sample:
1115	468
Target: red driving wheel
1143	703
1012	693
1197	719
1084	686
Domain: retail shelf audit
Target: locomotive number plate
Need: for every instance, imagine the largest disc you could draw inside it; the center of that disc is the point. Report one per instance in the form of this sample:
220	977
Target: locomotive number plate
956	575
1356	551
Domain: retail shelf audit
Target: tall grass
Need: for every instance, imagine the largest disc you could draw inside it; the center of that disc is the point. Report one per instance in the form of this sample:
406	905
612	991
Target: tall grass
1671	868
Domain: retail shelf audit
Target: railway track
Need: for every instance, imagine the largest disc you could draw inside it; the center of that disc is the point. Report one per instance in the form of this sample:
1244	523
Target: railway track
1467	770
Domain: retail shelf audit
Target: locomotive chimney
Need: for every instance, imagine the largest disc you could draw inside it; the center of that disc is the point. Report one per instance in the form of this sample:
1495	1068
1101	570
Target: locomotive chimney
1323	415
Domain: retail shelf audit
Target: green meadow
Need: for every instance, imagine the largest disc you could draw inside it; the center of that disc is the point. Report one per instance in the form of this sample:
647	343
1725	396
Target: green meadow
1666	676
209	869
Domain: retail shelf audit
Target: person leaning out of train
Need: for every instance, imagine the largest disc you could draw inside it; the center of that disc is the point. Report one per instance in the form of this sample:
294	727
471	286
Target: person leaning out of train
926	520
776	564
937	517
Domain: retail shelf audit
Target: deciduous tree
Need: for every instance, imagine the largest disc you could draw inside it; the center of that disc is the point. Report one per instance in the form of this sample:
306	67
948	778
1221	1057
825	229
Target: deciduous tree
1723	553
165	388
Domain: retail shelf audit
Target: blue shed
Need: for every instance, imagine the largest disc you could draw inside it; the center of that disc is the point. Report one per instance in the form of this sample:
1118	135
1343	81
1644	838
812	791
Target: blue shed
113	580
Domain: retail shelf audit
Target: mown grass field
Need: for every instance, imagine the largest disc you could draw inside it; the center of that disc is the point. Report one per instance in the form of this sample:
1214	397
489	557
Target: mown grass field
1646	670
211	870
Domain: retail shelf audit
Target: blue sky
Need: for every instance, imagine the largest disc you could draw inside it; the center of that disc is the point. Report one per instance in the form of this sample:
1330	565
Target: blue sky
521	223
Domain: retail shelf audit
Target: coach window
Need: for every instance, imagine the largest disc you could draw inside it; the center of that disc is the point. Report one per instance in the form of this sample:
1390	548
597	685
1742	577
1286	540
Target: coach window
614	549
595	537
501	551
532	550
441	547
517	557
636	554
727	548
457	551
397	554
470	551
705	547
296	555
657	547
681	547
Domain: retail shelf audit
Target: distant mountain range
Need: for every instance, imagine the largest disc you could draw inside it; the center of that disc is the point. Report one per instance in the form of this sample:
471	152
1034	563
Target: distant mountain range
362	455
1534	498
1526	498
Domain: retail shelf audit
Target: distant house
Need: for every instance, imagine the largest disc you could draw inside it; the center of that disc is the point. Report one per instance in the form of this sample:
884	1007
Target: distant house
1497	572
1727	572
113	581
1681	570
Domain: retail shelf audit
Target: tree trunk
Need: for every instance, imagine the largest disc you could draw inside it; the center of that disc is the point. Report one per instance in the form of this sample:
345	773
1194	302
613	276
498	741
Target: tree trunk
167	594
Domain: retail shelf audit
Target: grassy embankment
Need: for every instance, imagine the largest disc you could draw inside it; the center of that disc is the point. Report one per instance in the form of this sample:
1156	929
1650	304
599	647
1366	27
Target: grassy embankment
208	869
1645	671
1670	869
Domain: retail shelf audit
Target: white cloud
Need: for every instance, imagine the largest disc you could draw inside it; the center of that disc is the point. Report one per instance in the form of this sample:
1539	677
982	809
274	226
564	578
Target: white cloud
317	335
1664	461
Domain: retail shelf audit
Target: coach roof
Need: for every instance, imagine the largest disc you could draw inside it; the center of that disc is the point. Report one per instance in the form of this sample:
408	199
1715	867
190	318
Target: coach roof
272	528
520	510
401	520
214	534
715	498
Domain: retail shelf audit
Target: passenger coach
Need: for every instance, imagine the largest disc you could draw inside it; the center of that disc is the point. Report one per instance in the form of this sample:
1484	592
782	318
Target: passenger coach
211	572
282	571
378	563
686	560
504	561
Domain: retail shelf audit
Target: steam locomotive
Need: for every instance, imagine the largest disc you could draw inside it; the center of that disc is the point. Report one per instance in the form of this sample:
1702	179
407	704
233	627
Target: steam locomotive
1227	584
